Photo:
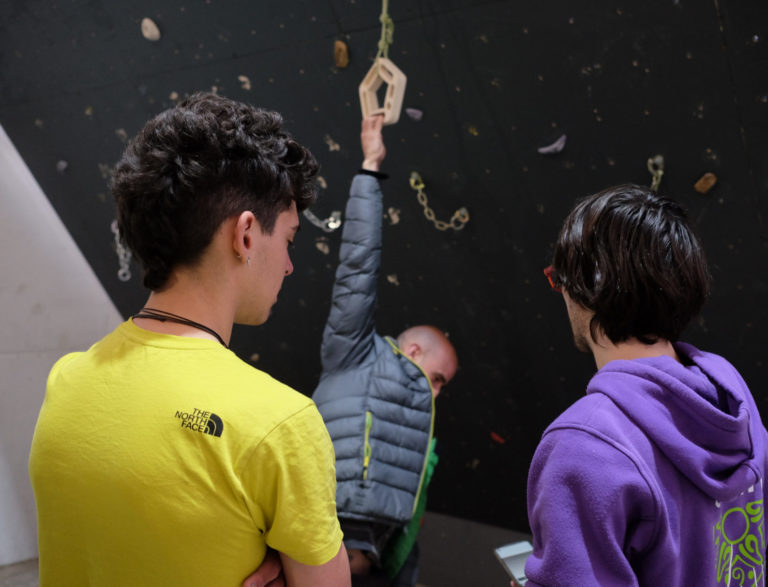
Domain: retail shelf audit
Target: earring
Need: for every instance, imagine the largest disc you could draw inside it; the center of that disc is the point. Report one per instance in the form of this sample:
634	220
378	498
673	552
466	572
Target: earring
249	261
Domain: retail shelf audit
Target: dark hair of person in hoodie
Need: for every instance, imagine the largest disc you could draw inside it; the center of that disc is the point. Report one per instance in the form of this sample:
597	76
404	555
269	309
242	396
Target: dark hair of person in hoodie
634	259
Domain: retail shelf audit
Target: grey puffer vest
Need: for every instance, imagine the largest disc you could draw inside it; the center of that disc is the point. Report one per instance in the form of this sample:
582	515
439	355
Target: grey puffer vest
377	404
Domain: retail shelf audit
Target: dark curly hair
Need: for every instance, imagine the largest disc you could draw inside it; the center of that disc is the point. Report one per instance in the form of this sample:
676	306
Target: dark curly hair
634	259
197	164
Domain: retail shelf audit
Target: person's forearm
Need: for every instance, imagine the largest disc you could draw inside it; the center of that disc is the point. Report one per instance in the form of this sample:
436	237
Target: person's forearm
372	143
334	573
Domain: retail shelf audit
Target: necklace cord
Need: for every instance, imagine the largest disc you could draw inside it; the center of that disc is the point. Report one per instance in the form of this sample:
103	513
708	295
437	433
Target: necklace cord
163	316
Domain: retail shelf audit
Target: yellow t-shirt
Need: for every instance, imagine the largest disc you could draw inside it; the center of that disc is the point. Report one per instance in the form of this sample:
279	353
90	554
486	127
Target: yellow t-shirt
166	460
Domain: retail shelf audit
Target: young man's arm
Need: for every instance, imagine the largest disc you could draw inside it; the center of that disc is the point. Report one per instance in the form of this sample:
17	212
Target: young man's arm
349	331
269	573
278	568
289	486
334	573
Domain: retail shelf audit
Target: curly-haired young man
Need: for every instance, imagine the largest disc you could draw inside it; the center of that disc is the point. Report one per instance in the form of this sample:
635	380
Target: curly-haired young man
655	476
159	457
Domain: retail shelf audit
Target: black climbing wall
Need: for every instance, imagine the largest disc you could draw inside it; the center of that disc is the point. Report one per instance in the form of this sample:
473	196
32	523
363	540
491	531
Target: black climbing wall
495	80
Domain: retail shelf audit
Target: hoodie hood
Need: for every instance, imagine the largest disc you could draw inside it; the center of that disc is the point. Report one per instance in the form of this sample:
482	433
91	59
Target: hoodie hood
696	412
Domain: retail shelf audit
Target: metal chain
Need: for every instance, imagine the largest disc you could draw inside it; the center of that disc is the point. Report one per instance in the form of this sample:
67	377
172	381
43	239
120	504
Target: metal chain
457	221
656	169
123	254
328	225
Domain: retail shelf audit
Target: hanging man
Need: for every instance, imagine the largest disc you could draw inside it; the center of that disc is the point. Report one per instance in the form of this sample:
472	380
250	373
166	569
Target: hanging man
376	394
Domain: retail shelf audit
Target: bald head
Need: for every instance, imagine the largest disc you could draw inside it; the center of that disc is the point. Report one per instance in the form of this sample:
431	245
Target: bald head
431	350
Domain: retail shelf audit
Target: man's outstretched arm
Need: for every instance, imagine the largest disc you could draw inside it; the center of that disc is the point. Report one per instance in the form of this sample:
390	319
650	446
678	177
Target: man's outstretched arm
349	330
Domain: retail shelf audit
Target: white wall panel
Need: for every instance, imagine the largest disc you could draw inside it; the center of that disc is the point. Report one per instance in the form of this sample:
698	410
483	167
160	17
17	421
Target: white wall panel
52	303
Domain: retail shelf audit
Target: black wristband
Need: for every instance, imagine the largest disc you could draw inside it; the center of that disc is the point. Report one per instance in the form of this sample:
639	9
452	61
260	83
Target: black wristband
376	174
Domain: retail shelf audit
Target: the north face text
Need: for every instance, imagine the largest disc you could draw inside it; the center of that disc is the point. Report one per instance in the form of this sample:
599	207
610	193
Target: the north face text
201	421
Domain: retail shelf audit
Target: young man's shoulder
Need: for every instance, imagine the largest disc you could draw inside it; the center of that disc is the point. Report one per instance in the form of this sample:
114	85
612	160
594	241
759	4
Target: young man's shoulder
160	369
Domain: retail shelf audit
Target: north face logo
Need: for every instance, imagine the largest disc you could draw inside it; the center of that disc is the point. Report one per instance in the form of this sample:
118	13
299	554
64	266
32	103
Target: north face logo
201	421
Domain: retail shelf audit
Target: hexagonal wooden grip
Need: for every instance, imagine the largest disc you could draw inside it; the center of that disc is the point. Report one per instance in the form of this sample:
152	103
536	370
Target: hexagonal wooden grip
383	72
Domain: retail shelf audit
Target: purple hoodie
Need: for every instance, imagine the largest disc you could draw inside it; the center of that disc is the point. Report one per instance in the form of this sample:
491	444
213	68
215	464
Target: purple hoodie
654	478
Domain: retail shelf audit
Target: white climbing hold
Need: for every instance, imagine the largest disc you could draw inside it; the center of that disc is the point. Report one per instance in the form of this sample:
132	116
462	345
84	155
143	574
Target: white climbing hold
149	29
555	147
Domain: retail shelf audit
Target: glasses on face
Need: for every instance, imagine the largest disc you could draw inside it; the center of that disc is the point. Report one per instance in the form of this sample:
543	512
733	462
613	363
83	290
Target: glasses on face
555	279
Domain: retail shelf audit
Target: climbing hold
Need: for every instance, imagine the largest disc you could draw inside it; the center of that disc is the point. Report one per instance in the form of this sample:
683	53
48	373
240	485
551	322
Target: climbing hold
555	147
414	114
497	438
149	29
332	145
340	54
706	182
